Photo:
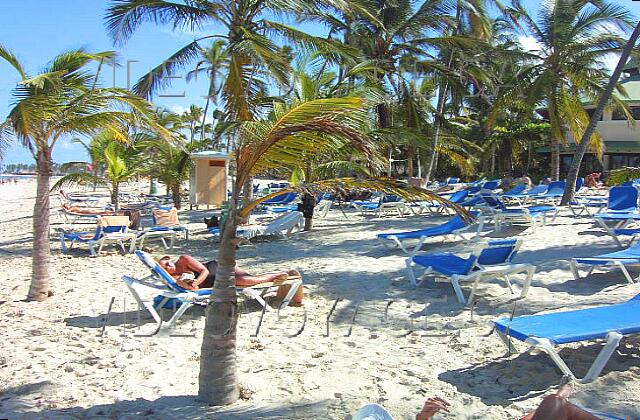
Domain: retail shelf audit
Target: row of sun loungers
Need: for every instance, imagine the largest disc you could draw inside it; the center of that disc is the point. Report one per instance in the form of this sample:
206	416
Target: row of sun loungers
115	230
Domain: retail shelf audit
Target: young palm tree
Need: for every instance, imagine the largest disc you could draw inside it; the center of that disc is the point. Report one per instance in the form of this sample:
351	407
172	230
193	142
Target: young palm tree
119	162
575	37
63	100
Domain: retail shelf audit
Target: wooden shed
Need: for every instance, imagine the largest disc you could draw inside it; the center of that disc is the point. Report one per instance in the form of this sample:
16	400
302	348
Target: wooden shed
208	180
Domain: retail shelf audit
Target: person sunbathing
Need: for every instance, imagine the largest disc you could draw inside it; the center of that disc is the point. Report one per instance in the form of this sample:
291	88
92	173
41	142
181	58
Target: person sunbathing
191	274
86	210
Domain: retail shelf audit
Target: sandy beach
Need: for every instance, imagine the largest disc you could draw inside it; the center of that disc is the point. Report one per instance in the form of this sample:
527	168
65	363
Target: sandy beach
64	358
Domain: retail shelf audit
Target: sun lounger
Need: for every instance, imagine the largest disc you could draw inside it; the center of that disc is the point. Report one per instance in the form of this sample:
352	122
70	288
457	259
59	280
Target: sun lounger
621	200
434	207
525	197
165	289
109	230
488	260
528	215
166	226
282	226
454	227
386	204
616	222
554	193
620	259
546	331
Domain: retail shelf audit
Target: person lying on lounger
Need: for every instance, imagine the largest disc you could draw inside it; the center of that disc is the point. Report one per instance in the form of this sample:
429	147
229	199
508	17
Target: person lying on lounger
204	275
86	210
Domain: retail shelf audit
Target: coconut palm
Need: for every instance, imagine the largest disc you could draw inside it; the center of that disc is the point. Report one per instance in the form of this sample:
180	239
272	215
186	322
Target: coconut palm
292	134
213	65
602	102
63	100
253	56
119	162
575	36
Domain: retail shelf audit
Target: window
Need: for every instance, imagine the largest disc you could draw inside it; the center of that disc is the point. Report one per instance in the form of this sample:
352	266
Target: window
619	161
619	115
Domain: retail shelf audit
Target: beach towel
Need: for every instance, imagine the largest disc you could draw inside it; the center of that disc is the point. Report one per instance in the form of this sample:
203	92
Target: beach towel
166	217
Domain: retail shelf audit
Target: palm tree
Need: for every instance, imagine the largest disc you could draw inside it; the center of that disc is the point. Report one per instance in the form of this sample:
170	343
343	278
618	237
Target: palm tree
120	162
213	64
597	113
63	100
574	37
171	165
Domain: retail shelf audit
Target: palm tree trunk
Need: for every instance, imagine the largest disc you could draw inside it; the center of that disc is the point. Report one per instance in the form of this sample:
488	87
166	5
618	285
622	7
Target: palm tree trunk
39	288
115	191
442	96
175	195
555	158
206	108
218	382
595	117
411	153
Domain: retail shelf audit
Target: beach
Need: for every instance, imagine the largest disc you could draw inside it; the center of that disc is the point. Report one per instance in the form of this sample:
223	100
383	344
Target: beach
69	357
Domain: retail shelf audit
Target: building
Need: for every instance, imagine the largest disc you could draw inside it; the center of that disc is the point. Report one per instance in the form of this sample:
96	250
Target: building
621	138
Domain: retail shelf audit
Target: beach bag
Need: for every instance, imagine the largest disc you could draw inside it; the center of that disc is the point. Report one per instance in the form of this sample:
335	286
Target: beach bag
297	298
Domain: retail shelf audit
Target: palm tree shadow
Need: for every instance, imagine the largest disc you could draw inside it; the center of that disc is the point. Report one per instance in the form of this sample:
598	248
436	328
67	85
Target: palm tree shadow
590	285
178	406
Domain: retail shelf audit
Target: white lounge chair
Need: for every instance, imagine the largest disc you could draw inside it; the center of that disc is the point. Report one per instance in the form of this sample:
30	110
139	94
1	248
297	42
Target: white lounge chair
282	226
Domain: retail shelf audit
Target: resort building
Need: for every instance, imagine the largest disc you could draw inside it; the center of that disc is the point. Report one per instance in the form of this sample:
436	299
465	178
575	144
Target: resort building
621	137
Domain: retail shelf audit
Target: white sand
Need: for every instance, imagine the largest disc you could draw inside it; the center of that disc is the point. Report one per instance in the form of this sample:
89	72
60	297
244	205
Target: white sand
53	362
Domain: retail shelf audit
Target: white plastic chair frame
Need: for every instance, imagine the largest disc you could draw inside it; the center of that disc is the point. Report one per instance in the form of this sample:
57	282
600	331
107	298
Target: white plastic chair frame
611	343
478	273
397	243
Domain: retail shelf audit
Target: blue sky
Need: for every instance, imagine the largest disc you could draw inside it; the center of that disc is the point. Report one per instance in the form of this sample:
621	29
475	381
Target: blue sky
37	30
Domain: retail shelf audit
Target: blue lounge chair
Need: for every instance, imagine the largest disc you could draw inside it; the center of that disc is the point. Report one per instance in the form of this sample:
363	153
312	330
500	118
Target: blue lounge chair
554	192
109	230
453	227
167	291
629	256
621	199
281	200
385	204
545	331
489	260
525	197
491	185
518	189
434	207
528	215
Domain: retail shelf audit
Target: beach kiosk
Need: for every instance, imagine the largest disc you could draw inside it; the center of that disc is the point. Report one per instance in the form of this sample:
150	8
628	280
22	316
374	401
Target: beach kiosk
208	180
